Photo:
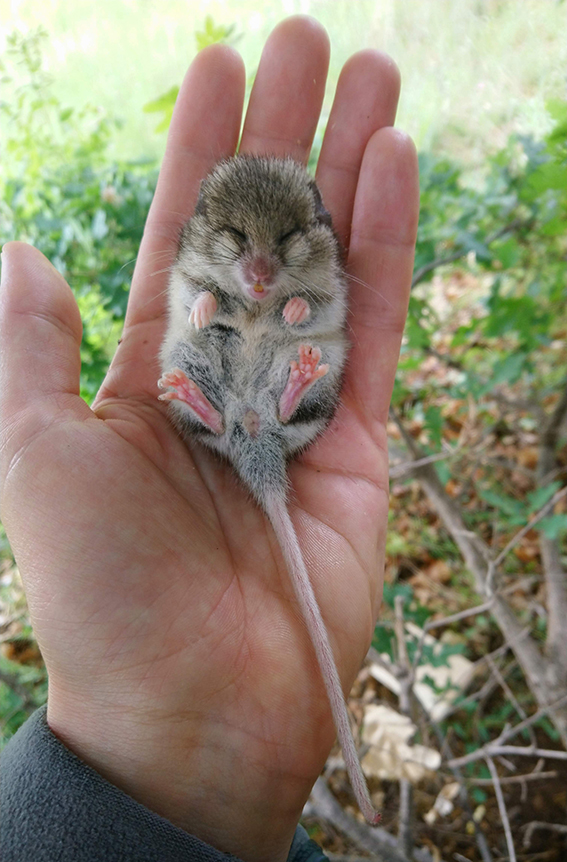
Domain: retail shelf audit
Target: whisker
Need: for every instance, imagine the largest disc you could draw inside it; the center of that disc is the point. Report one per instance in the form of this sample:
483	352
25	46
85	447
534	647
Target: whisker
153	298
160	271
128	262
370	287
316	290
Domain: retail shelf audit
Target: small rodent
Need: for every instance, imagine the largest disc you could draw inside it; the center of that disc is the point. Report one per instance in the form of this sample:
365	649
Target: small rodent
257	298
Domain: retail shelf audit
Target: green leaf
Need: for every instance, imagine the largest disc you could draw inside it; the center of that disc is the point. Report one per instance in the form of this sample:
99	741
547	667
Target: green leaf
508	252
434	424
383	640
443	471
515	510
507	370
479	795
163	104
213	33
554	526
398	589
538	498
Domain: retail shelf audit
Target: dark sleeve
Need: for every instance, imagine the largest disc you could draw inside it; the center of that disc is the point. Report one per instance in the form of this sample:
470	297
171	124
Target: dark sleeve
55	808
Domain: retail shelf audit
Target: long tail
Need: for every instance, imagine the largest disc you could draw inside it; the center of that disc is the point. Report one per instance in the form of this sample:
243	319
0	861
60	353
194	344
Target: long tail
283	527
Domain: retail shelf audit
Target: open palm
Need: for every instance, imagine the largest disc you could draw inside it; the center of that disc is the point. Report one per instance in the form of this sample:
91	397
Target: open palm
179	666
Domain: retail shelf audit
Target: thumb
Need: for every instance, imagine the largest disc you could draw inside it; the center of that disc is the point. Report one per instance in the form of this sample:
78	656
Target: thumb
40	337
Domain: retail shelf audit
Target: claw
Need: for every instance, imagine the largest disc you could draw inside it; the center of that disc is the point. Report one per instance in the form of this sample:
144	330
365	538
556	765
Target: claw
182	388
302	376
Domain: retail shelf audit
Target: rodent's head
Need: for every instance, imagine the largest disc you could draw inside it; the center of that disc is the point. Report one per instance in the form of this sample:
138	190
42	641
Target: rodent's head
260	229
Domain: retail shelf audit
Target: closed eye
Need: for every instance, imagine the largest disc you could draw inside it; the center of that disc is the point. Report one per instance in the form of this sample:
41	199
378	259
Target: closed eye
294	232
237	234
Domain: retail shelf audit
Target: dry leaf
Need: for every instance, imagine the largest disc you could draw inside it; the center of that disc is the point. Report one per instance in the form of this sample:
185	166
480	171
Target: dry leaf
390	755
443	805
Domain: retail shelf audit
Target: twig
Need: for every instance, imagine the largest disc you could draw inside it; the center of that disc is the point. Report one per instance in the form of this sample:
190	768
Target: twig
18	687
493	566
375	840
555	575
514	779
477	556
518	728
446	621
531	523
405	816
399	470
502	808
511	697
492	750
434	264
480	837
497	746
459	253
539	824
400	631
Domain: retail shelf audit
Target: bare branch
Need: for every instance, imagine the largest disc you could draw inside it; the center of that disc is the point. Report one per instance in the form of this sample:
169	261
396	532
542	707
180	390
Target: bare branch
497	747
491	749
435	264
511	696
405	816
538	824
481	841
399	470
555	574
477	556
514	779
550	436
20	689
493	566
462	252
400	631
375	840
502	808
518	728
446	621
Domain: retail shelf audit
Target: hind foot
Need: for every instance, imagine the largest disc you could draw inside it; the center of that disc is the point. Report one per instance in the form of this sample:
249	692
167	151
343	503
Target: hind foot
185	390
302	376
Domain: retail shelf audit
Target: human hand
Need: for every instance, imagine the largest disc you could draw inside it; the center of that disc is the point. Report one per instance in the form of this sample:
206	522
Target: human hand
179	667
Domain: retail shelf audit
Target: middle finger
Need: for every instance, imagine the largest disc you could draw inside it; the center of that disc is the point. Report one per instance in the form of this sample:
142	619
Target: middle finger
287	95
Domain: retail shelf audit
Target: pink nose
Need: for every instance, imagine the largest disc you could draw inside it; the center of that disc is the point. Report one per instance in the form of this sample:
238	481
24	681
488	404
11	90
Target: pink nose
259	269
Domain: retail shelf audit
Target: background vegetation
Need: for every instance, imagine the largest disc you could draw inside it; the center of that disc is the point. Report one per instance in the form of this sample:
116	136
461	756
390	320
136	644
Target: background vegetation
477	547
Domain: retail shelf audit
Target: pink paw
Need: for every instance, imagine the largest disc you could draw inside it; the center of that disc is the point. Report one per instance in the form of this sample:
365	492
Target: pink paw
203	310
185	390
296	310
302	376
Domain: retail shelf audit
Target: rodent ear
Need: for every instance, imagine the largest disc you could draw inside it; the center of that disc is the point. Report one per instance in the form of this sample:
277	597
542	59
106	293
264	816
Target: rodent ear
322	215
200	206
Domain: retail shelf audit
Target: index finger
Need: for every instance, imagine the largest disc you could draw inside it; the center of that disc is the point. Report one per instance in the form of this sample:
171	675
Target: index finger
204	128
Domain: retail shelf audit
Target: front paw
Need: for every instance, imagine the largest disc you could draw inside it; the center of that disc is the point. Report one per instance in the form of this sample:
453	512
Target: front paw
203	310
296	310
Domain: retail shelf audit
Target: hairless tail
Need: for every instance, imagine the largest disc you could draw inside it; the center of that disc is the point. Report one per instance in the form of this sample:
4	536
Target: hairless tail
278	514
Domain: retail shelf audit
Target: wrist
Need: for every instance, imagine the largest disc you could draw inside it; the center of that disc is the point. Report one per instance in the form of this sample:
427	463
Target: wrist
209	779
